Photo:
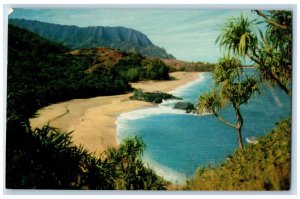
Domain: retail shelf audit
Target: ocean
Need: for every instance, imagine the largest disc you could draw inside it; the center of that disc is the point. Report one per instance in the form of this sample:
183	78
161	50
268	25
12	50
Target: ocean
178	143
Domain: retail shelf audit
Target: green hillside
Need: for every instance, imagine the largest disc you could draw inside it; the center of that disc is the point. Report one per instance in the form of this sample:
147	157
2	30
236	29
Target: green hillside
45	72
261	166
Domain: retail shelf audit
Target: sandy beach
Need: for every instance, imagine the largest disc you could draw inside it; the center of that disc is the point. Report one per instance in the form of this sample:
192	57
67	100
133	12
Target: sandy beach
93	120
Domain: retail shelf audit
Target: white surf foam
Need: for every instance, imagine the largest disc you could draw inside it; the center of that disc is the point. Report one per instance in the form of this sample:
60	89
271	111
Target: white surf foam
124	118
169	102
166	172
179	90
147	112
166	107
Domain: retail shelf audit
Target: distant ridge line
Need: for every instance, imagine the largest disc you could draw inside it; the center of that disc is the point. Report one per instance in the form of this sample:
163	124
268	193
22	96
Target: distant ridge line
74	37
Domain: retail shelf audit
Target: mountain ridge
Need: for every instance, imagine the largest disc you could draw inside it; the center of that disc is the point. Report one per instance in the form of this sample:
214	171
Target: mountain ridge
74	37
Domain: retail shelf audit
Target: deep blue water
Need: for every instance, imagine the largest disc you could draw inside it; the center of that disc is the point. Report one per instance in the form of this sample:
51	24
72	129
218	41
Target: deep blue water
178	143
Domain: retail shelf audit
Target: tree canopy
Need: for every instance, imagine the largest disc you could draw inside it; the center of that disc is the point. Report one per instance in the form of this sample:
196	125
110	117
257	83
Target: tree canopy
231	87
270	50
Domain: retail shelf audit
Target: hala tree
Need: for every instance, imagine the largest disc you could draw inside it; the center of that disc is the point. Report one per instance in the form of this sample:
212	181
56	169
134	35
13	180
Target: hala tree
231	87
271	53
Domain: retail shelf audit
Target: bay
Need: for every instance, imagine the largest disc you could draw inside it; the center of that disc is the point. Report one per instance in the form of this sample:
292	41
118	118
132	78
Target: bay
179	143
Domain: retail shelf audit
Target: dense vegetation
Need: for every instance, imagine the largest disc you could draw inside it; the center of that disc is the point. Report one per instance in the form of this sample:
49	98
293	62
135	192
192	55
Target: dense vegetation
44	71
46	158
154	97
41	72
74	37
130	67
261	166
177	65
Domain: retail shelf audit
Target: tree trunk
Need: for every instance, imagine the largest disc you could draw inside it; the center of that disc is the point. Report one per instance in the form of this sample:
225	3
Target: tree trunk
239	127
240	139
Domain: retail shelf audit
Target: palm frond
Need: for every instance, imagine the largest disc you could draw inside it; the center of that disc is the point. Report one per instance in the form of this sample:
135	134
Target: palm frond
236	36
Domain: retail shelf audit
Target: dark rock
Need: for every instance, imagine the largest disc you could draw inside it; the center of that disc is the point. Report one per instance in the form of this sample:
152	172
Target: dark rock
189	107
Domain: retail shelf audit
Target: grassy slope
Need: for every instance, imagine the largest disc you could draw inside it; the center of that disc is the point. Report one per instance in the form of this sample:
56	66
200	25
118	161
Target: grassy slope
102	57
262	166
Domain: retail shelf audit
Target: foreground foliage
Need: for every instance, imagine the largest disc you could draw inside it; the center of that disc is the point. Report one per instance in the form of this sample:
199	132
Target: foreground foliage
261	166
46	158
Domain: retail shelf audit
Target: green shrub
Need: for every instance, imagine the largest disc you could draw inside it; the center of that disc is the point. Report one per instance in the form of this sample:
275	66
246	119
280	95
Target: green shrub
261	166
46	158
154	97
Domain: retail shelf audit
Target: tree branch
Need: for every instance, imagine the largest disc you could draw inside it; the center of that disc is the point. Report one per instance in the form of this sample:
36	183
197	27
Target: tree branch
253	58
271	21
224	121
280	84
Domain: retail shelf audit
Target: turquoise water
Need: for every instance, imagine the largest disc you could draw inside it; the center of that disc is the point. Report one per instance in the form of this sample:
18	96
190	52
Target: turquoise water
178	143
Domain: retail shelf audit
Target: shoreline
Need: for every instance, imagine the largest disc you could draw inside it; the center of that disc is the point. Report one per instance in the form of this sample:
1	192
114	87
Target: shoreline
93	120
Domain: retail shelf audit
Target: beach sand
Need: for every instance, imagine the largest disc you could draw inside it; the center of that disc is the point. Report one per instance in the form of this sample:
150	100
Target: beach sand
93	120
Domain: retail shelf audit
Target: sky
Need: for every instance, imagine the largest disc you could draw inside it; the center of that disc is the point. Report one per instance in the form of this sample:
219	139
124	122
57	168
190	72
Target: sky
188	34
